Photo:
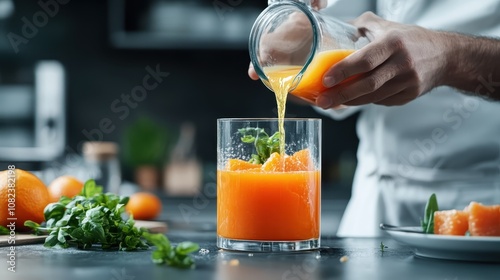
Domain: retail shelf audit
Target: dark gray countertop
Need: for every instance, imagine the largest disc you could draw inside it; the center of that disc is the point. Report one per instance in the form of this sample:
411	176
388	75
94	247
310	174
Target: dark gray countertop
365	261
194	219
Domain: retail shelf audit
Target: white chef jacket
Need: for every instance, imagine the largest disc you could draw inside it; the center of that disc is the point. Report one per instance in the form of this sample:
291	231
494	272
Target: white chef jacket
444	142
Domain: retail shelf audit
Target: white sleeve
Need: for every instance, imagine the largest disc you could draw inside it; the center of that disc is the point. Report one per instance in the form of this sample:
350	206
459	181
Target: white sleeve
348	9
339	114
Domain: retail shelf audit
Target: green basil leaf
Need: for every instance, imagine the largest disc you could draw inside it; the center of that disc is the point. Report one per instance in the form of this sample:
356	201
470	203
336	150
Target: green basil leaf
158	257
51	240
98	231
248	139
6	231
430	207
61	236
27	223
274	142
124	200
159	240
186	247
54	210
78	234
255	159
90	189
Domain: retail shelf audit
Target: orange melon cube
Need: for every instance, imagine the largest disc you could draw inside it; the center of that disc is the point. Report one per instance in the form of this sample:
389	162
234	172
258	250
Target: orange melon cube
484	220
294	164
299	161
304	158
238	164
274	163
451	222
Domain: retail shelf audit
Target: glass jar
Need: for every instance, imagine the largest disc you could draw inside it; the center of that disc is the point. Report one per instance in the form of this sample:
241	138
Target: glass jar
290	38
102	165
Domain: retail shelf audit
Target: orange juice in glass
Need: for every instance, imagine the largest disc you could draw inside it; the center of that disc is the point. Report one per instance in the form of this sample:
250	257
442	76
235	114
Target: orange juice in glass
267	199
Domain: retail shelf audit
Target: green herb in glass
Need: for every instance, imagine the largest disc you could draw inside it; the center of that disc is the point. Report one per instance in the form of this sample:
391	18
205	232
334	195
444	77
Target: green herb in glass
265	145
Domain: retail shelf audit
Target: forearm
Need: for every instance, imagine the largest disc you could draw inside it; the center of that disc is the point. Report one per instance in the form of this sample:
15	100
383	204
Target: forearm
473	64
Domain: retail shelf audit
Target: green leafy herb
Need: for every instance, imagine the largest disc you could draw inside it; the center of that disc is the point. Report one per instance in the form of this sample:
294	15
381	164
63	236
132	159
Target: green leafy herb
4	230
382	247
173	256
94	218
428	222
265	145
91	218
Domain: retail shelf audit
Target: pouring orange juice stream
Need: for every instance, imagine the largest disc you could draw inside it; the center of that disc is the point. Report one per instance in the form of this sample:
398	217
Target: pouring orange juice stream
280	80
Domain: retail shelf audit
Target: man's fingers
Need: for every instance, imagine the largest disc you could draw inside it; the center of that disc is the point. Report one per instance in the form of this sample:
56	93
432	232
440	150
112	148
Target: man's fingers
400	98
251	72
367	21
319	4
385	80
365	59
361	61
362	85
386	91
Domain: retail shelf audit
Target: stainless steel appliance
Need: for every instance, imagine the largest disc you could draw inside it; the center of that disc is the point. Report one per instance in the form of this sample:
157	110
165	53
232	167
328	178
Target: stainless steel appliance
32	116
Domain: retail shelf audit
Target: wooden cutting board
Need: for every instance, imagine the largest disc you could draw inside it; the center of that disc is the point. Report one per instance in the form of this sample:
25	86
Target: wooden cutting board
26	238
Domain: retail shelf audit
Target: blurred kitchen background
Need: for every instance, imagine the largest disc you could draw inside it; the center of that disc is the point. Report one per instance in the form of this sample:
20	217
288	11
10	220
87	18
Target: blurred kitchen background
149	78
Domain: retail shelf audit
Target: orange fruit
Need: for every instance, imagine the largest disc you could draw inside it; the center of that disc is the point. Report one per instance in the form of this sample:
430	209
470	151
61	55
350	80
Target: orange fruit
304	157
451	222
238	164
274	163
299	161
144	206
28	200
65	185
294	164
484	220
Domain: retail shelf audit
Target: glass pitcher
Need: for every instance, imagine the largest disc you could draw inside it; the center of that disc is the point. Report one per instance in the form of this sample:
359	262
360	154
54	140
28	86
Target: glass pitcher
289	37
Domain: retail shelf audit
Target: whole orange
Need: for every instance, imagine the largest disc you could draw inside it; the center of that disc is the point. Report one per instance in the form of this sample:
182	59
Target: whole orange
144	206
23	196
65	185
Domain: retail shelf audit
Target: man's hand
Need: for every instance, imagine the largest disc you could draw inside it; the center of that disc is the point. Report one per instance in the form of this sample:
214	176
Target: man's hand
400	63
319	4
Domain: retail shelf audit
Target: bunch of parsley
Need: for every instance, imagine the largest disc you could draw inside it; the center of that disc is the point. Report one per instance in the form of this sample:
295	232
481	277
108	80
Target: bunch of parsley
94	219
90	218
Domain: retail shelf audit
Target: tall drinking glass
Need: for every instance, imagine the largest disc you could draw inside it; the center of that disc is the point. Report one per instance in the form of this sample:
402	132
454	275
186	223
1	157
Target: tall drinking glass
268	199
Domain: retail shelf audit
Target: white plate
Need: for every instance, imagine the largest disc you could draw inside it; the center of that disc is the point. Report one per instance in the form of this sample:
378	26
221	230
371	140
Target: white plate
466	248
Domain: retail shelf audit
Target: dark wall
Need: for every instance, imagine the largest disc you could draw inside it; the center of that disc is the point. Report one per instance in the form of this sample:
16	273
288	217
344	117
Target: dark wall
203	85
